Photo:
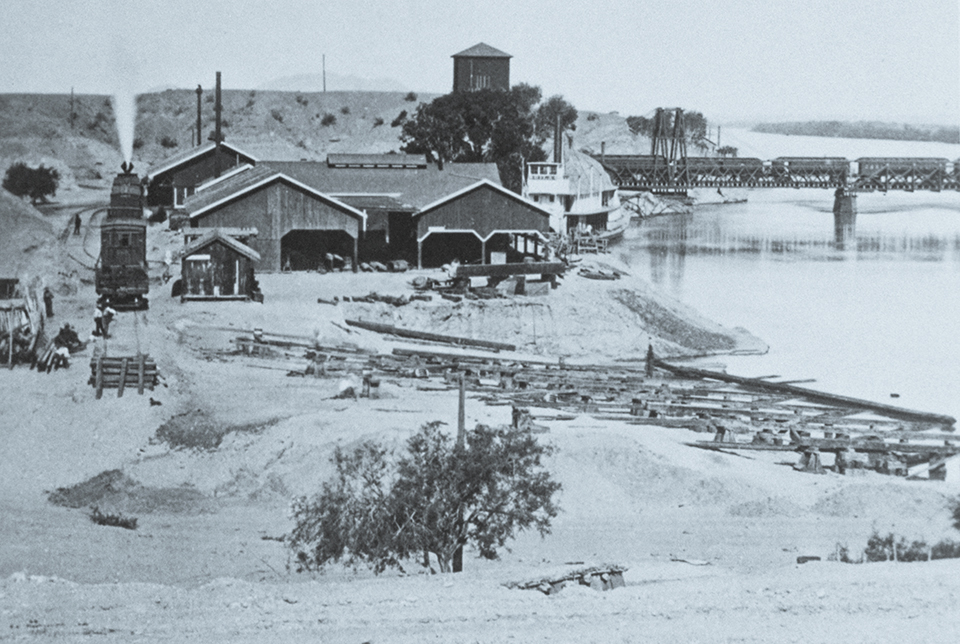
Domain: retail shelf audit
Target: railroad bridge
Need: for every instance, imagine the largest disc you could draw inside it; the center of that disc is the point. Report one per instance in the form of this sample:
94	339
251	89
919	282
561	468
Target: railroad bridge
669	170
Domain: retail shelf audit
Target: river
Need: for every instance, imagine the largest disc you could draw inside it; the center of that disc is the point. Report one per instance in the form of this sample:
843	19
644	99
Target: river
877	319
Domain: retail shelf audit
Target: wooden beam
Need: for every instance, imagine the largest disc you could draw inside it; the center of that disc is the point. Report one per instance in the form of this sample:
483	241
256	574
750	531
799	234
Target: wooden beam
810	394
140	364
433	337
506	270
99	380
123	377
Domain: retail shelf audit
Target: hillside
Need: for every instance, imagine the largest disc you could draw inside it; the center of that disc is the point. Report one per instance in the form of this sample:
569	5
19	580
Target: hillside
269	124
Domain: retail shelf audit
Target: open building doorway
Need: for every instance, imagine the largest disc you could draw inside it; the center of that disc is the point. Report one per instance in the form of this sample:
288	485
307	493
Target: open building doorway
311	250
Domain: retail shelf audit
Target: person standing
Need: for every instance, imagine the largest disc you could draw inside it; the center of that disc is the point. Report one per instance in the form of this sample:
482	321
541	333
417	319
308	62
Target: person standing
98	320
108	315
76	224
48	301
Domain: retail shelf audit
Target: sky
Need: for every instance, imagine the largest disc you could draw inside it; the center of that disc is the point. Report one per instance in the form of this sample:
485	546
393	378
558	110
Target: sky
733	60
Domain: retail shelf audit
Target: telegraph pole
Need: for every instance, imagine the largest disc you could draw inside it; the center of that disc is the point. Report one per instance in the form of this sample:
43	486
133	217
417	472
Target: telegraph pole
461	444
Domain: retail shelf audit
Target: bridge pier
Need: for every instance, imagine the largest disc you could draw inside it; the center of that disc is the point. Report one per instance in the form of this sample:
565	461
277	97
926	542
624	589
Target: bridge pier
844	216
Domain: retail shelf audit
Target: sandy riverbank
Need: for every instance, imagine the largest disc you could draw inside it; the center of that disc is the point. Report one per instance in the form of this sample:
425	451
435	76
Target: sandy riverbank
205	565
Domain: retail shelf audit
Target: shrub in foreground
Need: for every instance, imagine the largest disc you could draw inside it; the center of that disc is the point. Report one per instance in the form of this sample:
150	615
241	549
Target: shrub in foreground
435	498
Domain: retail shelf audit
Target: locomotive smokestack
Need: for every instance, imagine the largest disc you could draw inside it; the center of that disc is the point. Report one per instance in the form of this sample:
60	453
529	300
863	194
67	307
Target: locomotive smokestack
217	134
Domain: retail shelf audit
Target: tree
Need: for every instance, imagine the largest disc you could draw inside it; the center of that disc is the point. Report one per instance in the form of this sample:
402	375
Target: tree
548	112
434	499
483	126
36	183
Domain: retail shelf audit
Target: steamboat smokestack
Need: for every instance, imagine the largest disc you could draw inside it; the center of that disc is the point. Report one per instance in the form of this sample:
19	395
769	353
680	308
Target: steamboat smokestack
557	142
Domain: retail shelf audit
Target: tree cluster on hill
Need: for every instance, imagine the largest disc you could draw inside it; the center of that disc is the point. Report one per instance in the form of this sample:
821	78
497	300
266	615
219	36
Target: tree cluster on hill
694	125
488	125
36	183
436	498
863	130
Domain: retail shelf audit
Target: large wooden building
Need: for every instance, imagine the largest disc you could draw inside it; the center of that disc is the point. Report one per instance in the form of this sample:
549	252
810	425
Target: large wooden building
298	226
176	178
477	222
481	67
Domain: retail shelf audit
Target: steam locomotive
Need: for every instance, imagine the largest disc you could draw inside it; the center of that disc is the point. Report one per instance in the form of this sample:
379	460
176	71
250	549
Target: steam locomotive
122	265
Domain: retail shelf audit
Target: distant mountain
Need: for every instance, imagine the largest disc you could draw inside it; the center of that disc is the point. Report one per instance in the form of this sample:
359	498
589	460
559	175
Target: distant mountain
335	83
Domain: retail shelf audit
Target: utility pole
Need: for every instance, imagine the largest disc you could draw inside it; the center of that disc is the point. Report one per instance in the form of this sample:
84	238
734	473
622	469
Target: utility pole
217	135
461	444
199	109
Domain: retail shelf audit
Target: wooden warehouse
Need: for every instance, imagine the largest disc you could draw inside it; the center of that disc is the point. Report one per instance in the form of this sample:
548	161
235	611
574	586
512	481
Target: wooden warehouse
298	226
170	183
472	224
390	189
218	266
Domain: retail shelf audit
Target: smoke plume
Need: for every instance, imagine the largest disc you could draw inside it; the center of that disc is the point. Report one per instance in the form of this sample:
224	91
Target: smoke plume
125	110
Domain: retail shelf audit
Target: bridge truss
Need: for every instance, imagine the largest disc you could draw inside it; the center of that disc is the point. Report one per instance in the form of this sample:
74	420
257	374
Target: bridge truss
661	173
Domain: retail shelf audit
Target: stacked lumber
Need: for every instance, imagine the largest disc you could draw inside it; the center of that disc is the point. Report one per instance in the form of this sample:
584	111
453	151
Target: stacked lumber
603	577
121	372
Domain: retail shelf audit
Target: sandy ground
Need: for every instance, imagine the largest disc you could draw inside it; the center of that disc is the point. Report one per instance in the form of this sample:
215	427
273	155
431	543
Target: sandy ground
205	564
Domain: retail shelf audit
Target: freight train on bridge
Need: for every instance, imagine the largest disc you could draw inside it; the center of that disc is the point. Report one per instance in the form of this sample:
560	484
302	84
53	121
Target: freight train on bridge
658	173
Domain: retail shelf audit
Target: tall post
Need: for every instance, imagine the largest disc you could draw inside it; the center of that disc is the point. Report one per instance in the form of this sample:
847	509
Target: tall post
461	443
218	107
199	112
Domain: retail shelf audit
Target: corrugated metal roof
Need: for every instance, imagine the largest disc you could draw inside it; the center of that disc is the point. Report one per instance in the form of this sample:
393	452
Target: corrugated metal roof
416	187
377	160
482	50
178	159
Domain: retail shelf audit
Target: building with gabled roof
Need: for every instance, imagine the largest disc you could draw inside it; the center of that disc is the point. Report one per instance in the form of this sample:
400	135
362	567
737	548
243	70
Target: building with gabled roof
174	179
472	224
298	226
218	266
481	67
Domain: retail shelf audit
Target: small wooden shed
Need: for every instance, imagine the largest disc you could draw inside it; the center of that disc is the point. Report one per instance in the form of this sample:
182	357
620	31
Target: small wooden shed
217	266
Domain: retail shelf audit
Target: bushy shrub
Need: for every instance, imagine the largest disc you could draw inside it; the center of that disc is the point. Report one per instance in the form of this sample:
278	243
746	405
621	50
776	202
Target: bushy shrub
377	122
410	97
277	115
36	183
168	141
345	109
137	143
328	119
435	498
302	100
114	520
401	117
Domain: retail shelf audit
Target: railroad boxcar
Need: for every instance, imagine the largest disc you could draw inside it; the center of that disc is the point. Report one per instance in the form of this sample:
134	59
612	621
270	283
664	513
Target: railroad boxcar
122	266
901	173
811	170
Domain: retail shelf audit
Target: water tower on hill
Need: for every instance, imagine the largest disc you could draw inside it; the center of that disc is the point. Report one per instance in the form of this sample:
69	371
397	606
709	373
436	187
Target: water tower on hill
481	67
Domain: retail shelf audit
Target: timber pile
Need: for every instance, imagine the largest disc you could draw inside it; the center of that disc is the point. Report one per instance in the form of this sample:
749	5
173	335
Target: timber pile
121	372
649	393
604	577
21	327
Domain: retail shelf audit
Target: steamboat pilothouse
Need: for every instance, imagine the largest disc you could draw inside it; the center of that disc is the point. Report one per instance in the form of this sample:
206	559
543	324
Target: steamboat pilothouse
577	191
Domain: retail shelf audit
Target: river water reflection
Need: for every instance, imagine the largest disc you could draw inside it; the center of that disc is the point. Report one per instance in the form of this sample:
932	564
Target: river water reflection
876	316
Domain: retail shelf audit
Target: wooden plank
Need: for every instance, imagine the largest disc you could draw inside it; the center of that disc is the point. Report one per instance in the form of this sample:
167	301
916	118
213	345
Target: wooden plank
810	394
123	377
506	270
433	337
99	381
140	370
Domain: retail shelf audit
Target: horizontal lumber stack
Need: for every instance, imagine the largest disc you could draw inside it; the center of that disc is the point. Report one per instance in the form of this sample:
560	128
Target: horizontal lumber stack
121	372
